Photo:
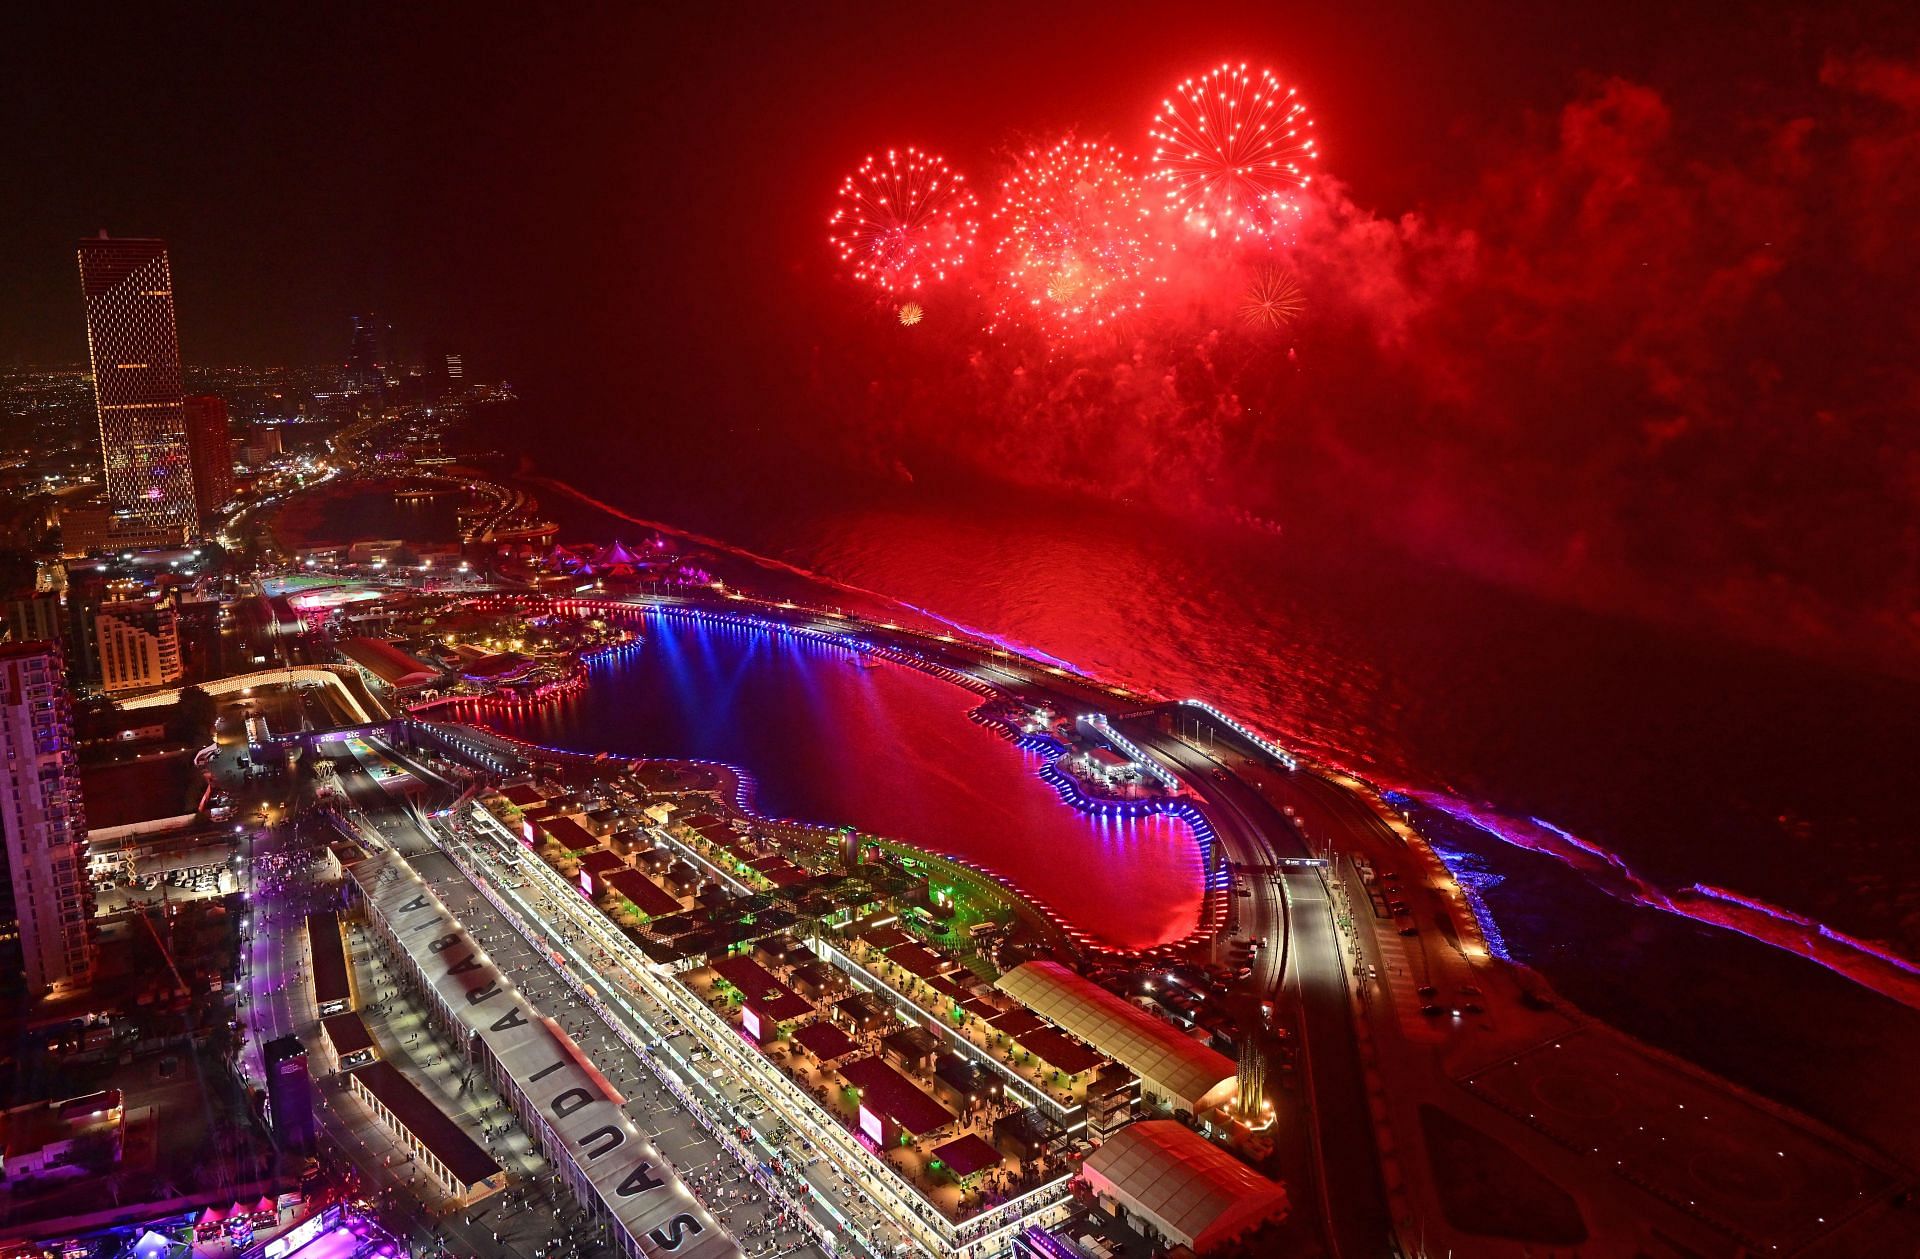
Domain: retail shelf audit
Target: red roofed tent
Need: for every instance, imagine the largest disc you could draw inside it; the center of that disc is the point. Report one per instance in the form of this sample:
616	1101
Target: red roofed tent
387	662
825	1041
569	834
646	895
968	1156
892	1105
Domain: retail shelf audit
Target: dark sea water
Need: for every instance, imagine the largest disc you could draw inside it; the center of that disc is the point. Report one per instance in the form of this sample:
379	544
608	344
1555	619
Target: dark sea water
356	511
1692	761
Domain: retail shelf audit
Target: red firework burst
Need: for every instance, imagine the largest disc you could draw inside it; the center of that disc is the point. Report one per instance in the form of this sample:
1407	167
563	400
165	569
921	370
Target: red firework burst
905	219
1232	150
1075	250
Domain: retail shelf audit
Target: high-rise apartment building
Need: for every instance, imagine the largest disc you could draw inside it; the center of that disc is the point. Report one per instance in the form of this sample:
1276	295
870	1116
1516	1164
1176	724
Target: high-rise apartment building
445	374
138	645
210	448
45	900
128	288
264	444
32	615
86	591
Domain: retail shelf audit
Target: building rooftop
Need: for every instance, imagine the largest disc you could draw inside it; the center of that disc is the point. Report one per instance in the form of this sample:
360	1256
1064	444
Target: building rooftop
1149	1047
600	861
448	1141
765	992
1192	1190
825	1041
329	949
568	833
1060	1051
348	1033
647	896
911	1042
887	1093
1016	1023
919	960
521	795
387	662
968	1155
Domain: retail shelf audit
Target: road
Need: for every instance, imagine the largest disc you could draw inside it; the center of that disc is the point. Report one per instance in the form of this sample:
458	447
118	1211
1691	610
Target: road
714	1177
1299	964
530	1217
629	1016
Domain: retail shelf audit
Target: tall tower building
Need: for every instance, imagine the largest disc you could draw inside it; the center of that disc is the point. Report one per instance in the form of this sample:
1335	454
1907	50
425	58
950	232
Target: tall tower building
290	1094
210	447
128	287
45	901
445	373
367	352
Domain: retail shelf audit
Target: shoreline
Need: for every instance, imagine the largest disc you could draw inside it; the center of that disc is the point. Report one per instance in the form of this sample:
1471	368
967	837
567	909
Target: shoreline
1875	966
1212	908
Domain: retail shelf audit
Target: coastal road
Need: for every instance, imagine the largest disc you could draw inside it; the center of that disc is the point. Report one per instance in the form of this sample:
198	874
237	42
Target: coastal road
1299	965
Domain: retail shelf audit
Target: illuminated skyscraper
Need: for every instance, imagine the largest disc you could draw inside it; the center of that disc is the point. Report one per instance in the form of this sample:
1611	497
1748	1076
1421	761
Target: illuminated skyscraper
445	374
45	900
128	287
367	352
211	446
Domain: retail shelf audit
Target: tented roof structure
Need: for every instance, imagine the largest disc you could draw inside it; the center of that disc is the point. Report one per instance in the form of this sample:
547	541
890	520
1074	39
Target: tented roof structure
1193	1191
538	1062
1167	1061
387	662
615	554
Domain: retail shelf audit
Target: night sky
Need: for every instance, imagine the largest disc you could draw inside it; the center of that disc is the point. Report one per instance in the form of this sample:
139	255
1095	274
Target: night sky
1613	304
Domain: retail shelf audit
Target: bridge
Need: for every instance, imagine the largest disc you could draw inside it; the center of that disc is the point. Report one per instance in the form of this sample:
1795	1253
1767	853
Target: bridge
331	677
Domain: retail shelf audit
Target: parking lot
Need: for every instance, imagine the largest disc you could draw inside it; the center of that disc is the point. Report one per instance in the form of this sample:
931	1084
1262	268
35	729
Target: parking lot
1749	1170
203	871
